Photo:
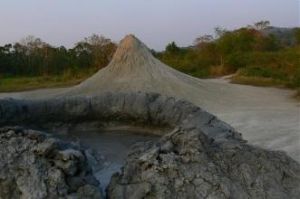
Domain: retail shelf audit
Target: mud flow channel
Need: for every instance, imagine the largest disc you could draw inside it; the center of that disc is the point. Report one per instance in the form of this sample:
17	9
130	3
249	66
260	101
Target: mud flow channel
110	149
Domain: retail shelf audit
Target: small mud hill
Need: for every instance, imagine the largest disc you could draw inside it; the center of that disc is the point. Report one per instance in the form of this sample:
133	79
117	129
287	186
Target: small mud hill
133	68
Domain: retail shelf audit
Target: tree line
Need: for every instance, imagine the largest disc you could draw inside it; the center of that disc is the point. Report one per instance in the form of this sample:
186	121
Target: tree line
34	57
252	51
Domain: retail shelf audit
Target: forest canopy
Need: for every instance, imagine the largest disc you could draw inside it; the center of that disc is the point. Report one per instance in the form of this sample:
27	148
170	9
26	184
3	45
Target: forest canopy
268	54
34	57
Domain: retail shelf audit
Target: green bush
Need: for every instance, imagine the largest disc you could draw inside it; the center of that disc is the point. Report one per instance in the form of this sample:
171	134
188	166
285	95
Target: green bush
256	71
236	60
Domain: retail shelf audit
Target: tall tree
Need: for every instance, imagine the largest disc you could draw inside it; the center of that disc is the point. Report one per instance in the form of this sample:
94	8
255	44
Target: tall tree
261	25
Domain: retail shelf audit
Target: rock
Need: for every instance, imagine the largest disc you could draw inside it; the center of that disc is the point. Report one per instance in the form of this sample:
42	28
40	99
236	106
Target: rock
34	165
185	165
88	192
46	147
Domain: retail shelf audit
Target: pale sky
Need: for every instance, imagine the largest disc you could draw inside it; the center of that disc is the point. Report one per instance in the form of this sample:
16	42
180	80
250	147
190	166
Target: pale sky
156	22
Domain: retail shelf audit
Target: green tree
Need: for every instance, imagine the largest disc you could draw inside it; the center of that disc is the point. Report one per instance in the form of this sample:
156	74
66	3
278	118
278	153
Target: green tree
100	48
297	35
219	31
203	39
172	48
261	25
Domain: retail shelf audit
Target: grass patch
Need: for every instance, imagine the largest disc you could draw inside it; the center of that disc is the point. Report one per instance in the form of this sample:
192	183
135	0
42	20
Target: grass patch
257	81
14	84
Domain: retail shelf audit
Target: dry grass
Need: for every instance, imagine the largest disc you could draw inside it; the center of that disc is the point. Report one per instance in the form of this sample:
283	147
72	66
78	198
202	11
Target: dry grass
297	95
264	82
31	83
218	71
256	81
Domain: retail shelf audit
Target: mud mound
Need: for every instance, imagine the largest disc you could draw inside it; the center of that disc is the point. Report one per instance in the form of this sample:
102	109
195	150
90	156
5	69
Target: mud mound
198	156
133	68
145	110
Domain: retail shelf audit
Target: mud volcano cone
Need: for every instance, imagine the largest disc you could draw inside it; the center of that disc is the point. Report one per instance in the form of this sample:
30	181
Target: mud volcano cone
133	68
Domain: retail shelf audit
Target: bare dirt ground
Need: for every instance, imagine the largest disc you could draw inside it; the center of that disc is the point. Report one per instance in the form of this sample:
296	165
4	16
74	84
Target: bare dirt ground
267	117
